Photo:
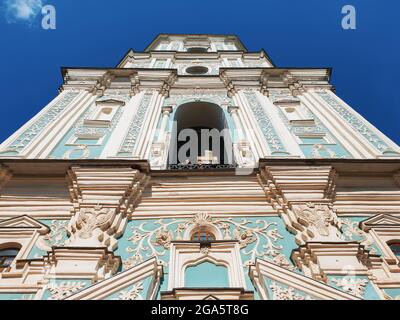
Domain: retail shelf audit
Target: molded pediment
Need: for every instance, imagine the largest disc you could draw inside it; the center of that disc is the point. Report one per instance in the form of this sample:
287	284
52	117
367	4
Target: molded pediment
210	297
24	222
289	285
380	220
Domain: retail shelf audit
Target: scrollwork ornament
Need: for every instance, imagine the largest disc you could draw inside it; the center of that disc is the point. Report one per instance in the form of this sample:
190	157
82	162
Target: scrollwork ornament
64	289
282	293
164	238
352	285
256	238
132	294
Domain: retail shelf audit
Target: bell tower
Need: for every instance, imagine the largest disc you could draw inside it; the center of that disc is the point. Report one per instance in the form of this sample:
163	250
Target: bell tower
197	169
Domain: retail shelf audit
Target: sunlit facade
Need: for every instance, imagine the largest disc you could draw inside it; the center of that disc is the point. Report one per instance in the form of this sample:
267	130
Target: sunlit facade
197	169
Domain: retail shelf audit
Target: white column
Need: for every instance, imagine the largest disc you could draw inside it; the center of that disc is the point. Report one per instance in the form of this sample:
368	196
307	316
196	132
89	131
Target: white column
233	110
165	111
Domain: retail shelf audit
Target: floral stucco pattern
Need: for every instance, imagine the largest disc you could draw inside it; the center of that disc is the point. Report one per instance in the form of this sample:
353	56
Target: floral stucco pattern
256	238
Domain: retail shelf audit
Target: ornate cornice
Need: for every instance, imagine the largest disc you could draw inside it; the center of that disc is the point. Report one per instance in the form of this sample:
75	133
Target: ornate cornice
307	214
102	197
121	80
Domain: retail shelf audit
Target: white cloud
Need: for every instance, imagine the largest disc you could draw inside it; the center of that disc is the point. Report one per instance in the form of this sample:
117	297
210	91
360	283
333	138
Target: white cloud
22	10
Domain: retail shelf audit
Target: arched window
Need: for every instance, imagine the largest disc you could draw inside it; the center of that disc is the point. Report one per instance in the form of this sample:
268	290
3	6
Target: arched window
7	256
202	234
201	127
395	247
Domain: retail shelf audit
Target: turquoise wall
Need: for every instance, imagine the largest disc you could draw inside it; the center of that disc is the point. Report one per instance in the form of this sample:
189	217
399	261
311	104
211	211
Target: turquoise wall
206	274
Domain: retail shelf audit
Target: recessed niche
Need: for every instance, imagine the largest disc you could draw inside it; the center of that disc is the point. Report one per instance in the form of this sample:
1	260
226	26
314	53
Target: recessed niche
197	50
197	70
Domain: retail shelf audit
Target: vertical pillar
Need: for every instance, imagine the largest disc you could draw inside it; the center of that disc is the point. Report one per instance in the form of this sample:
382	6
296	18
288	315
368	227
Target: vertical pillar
242	149
158	148
233	110
165	111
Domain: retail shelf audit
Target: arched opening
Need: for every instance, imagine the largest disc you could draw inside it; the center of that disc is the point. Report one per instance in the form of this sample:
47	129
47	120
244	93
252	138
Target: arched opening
8	252
201	234
200	135
206	274
395	247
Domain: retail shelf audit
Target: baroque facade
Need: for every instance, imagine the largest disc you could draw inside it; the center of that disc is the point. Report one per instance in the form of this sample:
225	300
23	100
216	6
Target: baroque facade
300	201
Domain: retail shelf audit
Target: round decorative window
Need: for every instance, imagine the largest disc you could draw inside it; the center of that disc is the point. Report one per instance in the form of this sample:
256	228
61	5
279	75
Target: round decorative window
197	70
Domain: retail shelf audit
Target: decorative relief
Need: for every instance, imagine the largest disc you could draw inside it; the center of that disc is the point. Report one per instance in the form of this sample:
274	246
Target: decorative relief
319	216
196	95
307	129
318	148
352	232
38	126
61	290
99	211
81	129
258	238
351	285
281	94
135	126
286	293
56	236
164	238
91	218
265	124
281	261
355	123
315	129
132	294
83	149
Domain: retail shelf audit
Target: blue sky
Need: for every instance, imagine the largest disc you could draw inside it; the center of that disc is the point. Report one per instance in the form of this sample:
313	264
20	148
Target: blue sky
297	33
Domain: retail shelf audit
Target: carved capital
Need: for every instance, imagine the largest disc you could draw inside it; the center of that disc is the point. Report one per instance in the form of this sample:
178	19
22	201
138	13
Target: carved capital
166	110
102	197
308	215
264	83
167	84
228	84
233	109
135	84
320	221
